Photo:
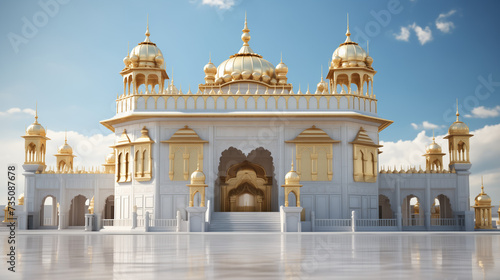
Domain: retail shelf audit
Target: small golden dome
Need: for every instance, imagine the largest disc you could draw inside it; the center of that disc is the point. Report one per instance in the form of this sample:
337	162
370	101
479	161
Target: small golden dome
35	129
21	199
65	149
198	177
246	65
433	148
322	85
281	68
482	199
110	158
145	54
350	54
458	128
210	69
292	177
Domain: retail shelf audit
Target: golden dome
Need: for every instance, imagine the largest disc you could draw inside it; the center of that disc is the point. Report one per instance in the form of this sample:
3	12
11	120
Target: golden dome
145	54
292	177
458	127
482	199
350	54
246	65
433	148
65	149
35	129
110	158
198	177
210	68
322	86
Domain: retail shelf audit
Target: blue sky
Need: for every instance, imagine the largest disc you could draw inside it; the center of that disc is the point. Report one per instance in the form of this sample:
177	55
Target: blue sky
427	54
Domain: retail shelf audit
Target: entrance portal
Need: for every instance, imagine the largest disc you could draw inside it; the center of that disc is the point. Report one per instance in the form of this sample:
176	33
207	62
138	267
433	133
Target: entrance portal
246	188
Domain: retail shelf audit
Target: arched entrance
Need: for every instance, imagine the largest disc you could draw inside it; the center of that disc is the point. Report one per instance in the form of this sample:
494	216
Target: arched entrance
384	207
245	182
245	188
411	213
48	212
109	208
77	211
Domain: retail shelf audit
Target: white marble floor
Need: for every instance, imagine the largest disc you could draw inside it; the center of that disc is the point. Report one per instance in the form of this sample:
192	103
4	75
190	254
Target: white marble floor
74	255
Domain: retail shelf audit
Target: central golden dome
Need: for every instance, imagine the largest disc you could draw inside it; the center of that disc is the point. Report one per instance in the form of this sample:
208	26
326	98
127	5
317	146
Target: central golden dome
246	65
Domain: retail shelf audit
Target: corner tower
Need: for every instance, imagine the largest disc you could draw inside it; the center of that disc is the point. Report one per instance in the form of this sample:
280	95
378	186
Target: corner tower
35	147
144	65
459	146
351	65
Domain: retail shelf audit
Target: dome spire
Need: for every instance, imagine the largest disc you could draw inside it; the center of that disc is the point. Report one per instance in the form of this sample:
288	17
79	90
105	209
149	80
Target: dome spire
457	111
482	187
36	111
65	137
147	30
245	37
348	33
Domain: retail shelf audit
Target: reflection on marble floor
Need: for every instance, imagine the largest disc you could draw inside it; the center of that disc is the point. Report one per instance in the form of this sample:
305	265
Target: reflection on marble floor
254	256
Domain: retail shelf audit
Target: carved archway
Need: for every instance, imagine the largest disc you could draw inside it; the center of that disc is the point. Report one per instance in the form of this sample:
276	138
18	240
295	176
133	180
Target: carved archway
246	188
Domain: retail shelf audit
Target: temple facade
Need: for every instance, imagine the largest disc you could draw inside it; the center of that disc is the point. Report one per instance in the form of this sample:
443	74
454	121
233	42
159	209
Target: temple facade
227	148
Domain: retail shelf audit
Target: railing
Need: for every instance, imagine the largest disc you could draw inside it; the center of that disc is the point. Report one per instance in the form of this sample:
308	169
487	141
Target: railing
163	223
333	222
116	222
409	222
140	222
376	222
47	222
244	102
444	222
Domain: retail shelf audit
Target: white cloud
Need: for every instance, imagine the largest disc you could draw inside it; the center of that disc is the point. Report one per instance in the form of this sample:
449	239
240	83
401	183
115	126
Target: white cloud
443	24
484	154
404	34
482	112
16	110
424	35
426	125
220	4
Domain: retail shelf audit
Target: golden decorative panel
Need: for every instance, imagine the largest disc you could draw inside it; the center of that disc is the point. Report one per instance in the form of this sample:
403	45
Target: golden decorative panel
365	156
185	154
142	158
314	154
123	152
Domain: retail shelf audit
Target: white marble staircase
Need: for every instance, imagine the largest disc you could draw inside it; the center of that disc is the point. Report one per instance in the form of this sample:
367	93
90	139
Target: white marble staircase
245	221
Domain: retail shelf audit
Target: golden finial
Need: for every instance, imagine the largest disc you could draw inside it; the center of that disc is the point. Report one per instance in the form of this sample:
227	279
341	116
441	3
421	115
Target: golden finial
246	26
482	187
198	166
348	33
36	111
209	57
147	29
433	138
281	57
245	37
457	111
65	137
